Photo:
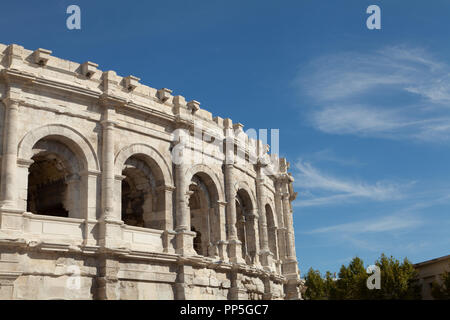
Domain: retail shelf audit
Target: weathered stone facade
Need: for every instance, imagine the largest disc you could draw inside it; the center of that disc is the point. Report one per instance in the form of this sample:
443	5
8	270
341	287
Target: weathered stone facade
93	205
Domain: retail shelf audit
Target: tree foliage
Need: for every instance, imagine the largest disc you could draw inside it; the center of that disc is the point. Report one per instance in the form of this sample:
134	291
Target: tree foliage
442	291
398	281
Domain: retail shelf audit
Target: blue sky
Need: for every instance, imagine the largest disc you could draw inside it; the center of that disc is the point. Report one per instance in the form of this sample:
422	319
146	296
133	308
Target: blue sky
364	115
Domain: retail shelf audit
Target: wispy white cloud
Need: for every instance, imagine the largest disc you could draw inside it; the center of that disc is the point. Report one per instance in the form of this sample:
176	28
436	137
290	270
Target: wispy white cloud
335	190
347	91
328	155
382	224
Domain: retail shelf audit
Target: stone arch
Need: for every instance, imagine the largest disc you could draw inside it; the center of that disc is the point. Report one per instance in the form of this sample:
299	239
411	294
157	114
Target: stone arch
271	229
152	157
151	202
53	184
64	134
244	185
50	146
63	142
207	221
206	171
246	223
271	203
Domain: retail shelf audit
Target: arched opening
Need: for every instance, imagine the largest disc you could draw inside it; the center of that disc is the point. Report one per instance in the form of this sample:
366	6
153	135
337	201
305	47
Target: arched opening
271	231
142	203
204	214
53	180
244	226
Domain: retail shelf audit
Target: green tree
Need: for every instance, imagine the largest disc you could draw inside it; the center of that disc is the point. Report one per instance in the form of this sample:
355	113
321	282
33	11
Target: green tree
398	280
351	284
442	291
315	285
330	286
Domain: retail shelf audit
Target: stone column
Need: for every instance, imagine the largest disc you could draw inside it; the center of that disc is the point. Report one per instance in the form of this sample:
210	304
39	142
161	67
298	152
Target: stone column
213	250
23	166
185	237
108	168
183	219
222	242
9	160
110	216
89	206
234	245
252	240
107	279
237	290
167	216
183	282
10	268
290	266
168	207
265	254
72	198
281	231
290	254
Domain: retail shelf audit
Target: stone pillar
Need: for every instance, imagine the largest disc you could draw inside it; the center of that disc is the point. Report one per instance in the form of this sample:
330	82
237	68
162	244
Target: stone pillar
108	166
222	242
265	254
290	253
110	216
234	245
72	198
281	231
89	206
168	207
9	190
185	237
252	240
9	272
290	266
213	250
183	282
273	246
237	290
107	280
23	166
168	223
182	221
268	292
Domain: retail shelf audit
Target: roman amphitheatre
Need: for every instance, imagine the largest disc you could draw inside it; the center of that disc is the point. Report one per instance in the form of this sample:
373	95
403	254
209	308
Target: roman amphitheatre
93	205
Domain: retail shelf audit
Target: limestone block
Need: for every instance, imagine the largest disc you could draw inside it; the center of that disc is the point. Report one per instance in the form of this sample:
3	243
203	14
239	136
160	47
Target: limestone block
41	56
193	106
131	82
164	94
88	69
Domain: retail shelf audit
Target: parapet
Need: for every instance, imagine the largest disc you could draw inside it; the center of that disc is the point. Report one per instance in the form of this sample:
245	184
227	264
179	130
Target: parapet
86	76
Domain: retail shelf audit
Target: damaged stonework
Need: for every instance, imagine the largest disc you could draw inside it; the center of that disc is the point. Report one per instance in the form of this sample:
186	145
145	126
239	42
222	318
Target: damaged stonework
93	205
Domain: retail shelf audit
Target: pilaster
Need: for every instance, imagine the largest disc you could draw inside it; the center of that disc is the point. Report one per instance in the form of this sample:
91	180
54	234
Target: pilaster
9	187
110	220
9	272
108	281
234	245
185	237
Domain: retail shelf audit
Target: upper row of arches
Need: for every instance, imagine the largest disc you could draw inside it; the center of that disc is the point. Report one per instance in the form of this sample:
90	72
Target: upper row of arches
61	156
